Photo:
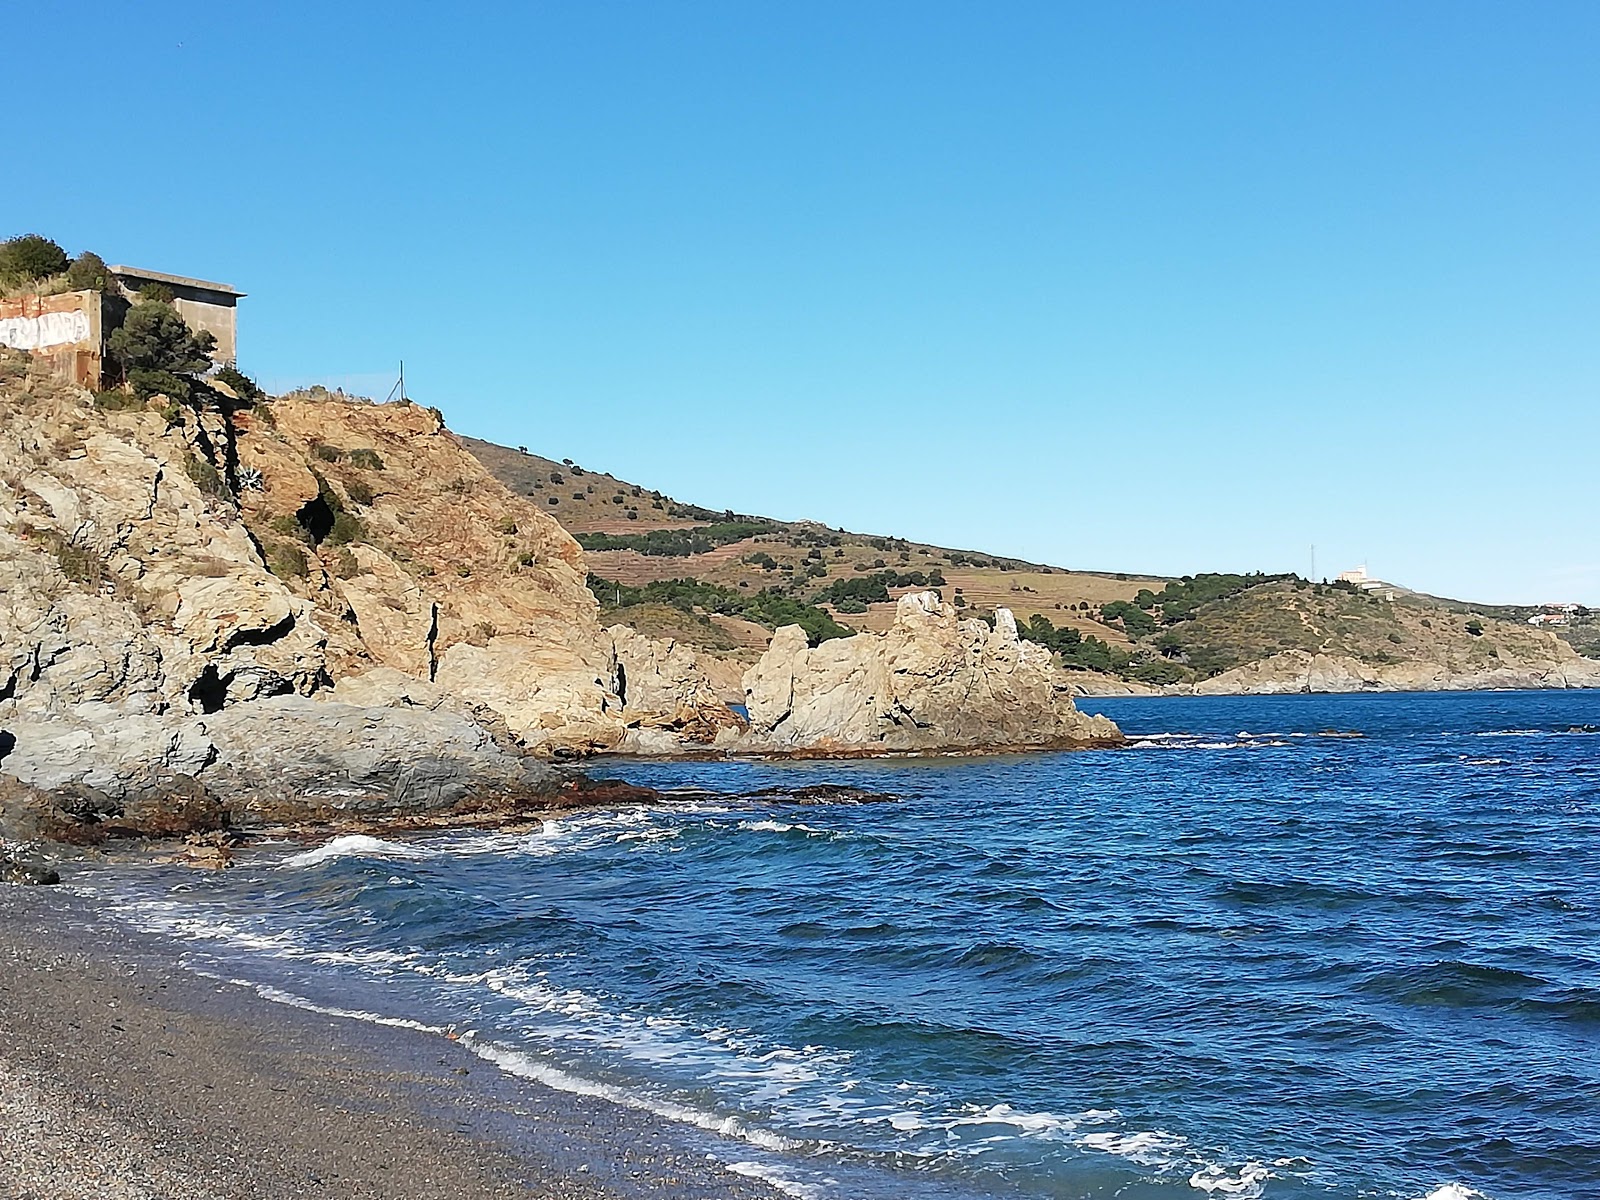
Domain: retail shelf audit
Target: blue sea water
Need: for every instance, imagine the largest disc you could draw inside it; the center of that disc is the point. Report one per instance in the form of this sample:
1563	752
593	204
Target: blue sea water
1243	957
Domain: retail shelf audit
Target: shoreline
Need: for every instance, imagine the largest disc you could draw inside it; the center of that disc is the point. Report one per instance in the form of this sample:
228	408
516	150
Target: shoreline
125	1074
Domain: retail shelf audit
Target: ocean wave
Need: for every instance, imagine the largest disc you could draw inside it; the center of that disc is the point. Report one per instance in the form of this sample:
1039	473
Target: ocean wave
354	845
778	1179
768	826
520	1063
1101	1130
1452	983
1455	1191
1246	1181
1210	741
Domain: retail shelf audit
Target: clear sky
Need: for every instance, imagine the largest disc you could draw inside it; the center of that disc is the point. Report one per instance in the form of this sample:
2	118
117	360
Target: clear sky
1151	287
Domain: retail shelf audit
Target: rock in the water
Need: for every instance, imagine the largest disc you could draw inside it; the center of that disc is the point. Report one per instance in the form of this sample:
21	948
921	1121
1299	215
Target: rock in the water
932	682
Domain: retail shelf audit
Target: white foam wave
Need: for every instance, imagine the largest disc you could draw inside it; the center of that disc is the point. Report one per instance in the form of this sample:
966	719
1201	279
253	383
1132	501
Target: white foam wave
777	1179
279	996
354	845
572	834
1455	1191
1100	1130
1147	1147
768	826
516	1062
1247	1182
1186	741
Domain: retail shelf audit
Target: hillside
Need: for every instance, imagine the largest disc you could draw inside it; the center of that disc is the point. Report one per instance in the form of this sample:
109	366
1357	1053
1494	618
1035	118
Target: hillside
722	581
217	610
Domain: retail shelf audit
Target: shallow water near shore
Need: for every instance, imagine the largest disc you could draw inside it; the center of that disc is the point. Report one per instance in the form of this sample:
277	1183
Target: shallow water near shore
1245	957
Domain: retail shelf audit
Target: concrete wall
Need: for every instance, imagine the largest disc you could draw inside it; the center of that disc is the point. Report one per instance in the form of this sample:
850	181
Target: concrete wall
66	330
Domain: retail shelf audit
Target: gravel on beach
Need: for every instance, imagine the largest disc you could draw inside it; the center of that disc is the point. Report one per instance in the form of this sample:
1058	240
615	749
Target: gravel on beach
123	1075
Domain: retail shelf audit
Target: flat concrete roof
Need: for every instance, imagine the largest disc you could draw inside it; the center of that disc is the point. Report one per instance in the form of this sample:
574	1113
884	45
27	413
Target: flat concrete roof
176	280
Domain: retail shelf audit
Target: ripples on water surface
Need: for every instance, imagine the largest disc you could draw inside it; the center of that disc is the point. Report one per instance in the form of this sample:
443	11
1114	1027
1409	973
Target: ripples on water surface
1246	960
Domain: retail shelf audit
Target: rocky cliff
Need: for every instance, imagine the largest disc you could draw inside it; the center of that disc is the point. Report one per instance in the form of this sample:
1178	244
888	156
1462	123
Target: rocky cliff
1559	666
322	603
226	612
931	682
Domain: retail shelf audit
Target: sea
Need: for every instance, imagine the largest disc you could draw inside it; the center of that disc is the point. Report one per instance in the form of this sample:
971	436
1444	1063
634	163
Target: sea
1283	947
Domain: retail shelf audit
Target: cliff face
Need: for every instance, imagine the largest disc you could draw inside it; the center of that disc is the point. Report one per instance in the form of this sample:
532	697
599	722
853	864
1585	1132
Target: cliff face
932	682
1558	666
158	625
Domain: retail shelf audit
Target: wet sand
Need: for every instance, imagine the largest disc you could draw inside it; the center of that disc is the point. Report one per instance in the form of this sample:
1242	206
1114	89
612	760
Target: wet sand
124	1075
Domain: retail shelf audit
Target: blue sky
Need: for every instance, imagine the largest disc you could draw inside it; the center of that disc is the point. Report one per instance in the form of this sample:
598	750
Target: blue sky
1150	287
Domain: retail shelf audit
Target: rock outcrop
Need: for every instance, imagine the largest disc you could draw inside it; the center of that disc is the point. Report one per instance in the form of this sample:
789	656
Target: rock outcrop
322	606
932	682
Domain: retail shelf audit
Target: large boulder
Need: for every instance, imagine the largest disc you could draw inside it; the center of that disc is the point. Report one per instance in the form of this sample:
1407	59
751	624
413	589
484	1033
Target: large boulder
932	682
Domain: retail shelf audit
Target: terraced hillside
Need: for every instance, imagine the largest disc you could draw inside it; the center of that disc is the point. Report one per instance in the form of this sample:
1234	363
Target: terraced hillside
721	581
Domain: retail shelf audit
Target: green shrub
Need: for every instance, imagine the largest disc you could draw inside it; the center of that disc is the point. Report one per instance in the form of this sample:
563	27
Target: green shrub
347	528
78	563
206	477
117	401
29	258
360	491
329	454
367	459
1475	627
89	273
243	386
287	561
507	526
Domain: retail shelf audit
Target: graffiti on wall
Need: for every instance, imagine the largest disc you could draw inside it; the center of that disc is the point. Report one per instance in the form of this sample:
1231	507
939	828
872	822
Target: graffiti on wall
44	331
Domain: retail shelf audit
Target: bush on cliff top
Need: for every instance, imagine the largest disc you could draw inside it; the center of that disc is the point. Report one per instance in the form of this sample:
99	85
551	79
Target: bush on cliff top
29	258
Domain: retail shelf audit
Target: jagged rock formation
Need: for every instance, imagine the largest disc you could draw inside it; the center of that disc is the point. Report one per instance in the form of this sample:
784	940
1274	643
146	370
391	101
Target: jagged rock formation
1298	671
932	682
324	603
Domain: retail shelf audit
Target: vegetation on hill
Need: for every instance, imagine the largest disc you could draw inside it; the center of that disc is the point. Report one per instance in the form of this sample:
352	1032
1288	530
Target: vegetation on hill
699	562
32	263
676	543
855	593
770	607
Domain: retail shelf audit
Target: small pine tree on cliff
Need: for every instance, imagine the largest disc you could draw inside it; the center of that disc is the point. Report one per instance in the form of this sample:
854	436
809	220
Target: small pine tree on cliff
158	352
